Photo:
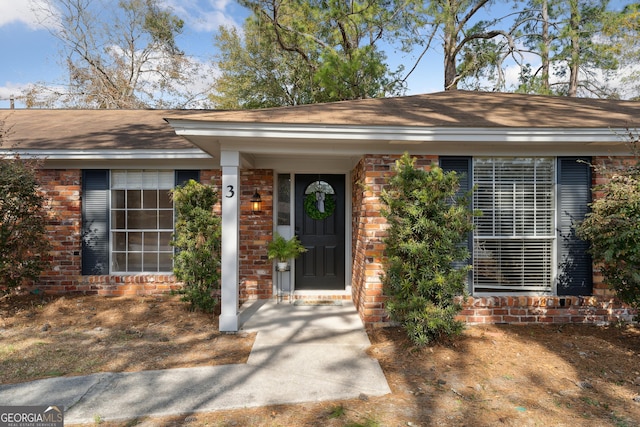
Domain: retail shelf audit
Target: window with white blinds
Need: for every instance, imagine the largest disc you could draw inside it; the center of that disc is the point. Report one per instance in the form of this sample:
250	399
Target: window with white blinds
141	221
513	243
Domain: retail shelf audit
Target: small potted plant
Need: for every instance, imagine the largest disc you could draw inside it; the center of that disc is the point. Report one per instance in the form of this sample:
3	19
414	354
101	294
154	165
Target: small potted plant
282	250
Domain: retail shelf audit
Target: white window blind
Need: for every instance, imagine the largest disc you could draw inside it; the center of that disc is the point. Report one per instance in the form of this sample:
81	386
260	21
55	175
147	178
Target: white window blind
514	238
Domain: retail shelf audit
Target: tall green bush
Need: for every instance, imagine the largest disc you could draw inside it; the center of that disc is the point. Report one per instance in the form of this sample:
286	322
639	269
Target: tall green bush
613	227
24	246
428	225
197	242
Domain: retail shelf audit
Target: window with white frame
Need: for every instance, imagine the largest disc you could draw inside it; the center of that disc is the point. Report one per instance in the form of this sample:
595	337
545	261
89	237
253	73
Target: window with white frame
142	221
513	243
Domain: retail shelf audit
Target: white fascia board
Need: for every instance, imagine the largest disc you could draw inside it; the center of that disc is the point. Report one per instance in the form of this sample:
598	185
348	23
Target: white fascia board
159	154
395	134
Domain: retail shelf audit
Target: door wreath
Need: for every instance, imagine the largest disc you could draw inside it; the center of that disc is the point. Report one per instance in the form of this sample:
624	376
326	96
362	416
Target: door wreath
319	205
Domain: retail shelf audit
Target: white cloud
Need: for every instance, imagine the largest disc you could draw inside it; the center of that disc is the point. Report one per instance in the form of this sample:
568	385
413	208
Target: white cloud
12	89
203	16
220	4
512	76
28	12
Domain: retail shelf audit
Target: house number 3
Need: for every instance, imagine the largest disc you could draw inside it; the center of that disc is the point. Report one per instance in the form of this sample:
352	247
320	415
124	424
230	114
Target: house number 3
230	191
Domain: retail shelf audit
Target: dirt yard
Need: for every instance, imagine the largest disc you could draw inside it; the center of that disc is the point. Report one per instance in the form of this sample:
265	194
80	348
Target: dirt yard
571	375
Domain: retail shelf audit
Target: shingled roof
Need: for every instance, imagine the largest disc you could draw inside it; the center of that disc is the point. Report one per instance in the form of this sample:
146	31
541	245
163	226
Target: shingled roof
91	129
147	129
447	109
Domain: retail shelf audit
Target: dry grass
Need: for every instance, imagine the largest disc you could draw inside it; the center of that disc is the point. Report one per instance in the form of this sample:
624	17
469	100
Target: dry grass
46	337
552	375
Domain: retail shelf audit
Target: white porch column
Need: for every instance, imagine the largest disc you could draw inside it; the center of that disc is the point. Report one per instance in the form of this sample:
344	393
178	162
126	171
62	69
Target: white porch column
230	268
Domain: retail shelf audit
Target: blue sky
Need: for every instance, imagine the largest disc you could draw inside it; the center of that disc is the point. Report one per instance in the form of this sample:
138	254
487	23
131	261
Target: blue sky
29	53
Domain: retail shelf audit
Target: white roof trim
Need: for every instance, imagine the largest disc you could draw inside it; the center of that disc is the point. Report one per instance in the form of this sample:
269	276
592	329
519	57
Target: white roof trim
158	154
397	134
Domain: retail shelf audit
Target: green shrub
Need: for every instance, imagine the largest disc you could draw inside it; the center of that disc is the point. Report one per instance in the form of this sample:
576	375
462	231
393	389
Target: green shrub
428	225
197	242
613	229
24	245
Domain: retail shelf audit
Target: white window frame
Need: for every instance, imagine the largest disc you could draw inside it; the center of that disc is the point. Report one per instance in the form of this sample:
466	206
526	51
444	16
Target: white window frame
491	274
140	179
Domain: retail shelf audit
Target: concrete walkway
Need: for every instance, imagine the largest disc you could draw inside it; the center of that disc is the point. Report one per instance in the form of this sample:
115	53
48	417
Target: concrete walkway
301	354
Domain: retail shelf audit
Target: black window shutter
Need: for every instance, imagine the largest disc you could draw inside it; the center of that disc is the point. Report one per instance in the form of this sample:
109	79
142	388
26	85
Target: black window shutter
575	271
95	222
183	176
462	166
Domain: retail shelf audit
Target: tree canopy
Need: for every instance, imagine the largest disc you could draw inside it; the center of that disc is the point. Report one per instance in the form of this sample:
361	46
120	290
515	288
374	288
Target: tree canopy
306	52
568	37
623	32
126	54
290	53
118	55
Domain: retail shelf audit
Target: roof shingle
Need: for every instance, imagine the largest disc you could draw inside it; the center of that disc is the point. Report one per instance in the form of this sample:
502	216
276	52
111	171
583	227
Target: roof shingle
448	109
90	129
147	129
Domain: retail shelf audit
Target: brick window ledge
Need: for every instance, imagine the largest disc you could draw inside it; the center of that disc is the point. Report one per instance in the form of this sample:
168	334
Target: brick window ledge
531	309
114	285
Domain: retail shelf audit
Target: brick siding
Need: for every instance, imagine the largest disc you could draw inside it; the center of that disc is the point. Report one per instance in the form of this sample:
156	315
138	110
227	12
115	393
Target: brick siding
62	190
141	284
63	187
256	230
64	228
369	229
530	309
368	225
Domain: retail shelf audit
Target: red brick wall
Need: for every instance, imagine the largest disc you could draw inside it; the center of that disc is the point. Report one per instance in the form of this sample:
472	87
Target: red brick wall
530	309
212	177
369	176
143	284
358	238
368	225
62	189
600	288
64	227
256	230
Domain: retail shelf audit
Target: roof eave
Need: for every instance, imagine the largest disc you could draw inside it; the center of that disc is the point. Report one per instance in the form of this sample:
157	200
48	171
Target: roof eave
397	134
107	154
